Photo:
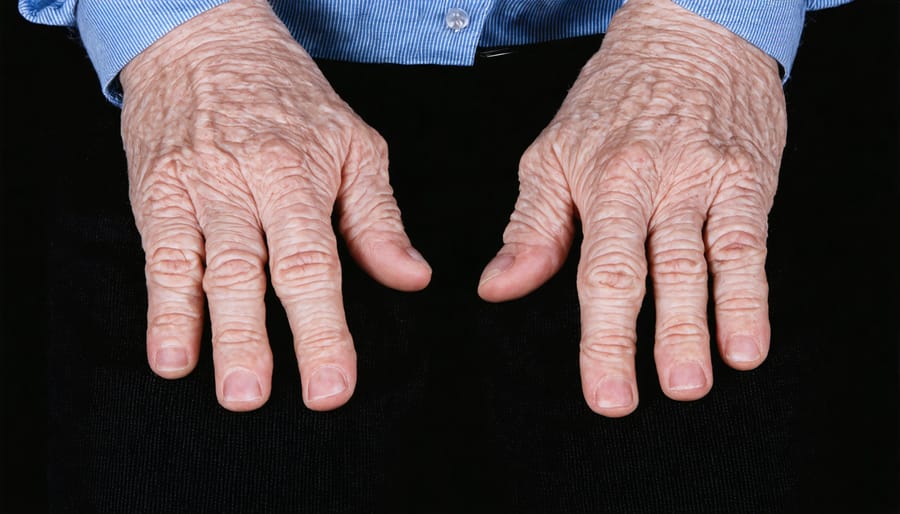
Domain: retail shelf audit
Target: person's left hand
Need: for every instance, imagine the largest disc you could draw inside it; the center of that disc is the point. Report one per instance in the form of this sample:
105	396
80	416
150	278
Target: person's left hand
670	141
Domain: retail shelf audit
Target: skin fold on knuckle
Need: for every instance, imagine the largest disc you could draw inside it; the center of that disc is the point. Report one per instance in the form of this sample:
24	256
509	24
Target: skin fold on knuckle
323	341
612	276
674	266
173	318
174	268
736	247
302	268
232	271
739	302
683	333
238	333
611	347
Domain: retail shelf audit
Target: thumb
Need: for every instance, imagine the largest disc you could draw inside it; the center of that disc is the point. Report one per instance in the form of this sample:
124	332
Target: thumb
370	219
538	236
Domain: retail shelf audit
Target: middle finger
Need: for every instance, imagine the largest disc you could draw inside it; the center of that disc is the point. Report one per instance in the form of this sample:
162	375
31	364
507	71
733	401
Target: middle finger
678	270
235	286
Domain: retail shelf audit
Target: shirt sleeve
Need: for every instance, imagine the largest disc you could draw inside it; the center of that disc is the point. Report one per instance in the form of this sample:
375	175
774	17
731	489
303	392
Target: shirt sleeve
773	26
114	32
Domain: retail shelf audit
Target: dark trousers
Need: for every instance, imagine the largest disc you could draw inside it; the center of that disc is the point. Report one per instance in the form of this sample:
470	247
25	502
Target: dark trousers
461	405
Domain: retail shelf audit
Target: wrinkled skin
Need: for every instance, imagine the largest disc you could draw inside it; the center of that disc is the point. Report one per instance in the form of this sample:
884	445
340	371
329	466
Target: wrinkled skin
667	148
238	150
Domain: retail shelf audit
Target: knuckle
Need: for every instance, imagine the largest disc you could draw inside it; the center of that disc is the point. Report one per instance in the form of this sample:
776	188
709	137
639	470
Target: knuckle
330	142
165	165
751	170
609	348
285	184
234	335
322	339
162	187
682	333
699	99
303	267
740	162
233	269
174	267
632	156
275	153
742	303
702	156
613	275
542	156
174	320
378	143
737	247
628	172
677	265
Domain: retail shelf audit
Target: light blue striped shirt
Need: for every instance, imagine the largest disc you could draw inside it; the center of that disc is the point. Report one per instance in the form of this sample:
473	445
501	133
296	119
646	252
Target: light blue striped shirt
404	32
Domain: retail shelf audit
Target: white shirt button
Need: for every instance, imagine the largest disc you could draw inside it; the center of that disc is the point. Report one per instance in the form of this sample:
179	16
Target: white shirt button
456	19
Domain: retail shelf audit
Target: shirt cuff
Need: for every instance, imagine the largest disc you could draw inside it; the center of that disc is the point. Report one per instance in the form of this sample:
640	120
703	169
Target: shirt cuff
114	33
773	26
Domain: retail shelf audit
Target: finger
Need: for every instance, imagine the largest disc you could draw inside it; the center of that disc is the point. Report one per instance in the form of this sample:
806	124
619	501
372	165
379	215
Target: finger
235	285
306	275
611	275
538	236
736	251
370	219
678	270
174	270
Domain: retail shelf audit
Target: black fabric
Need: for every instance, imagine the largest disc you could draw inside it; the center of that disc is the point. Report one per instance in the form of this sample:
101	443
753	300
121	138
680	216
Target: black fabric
462	406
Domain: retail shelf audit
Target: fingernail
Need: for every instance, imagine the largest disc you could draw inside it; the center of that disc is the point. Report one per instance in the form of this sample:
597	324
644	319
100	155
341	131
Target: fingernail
171	359
326	381
614	392
497	266
415	255
742	349
242	386
685	376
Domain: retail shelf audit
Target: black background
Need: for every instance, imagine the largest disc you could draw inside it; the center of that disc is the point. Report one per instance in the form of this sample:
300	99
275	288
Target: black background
462	406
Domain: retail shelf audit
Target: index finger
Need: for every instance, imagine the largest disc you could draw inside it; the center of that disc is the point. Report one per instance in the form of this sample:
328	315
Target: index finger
611	286
174	251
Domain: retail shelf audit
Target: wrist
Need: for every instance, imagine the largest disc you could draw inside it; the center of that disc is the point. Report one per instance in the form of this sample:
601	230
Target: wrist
237	30
683	42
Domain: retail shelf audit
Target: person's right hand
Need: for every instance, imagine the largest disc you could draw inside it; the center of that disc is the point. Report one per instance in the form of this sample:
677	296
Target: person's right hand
238	149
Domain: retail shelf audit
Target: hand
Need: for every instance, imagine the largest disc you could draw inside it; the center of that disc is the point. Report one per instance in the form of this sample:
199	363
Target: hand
237	150
670	142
